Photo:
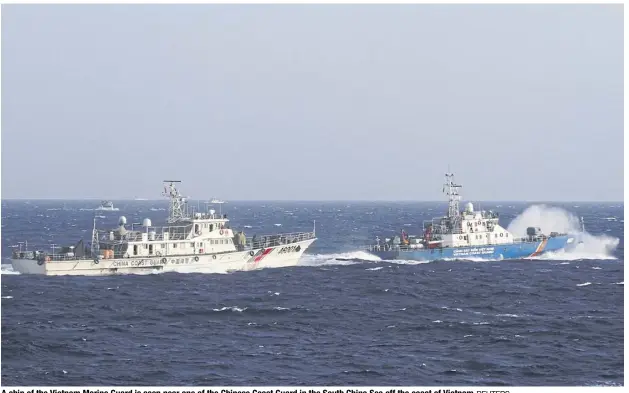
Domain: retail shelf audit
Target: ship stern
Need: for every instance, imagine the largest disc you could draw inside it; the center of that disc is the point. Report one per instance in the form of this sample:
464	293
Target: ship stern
28	266
557	243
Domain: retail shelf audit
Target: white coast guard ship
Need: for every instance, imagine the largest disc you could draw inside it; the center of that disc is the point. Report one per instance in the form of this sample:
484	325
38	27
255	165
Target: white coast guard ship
107	206
194	242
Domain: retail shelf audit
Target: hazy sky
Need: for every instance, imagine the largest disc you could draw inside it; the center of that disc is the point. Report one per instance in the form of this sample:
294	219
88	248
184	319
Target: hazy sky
313	101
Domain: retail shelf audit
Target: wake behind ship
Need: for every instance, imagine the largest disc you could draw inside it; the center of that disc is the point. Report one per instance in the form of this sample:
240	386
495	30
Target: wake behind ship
195	242
468	234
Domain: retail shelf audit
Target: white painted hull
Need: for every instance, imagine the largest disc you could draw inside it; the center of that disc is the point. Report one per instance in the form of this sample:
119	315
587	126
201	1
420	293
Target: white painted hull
278	256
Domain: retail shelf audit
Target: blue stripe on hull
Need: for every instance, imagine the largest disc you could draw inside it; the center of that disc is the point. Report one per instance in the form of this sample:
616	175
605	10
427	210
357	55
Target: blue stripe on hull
503	251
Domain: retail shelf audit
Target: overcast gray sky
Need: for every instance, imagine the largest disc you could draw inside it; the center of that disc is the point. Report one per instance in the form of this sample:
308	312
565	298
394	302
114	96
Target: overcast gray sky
313	101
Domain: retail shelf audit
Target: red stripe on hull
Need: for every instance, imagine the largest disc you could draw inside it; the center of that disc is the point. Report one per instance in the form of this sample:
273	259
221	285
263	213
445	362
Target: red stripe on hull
540	248
265	253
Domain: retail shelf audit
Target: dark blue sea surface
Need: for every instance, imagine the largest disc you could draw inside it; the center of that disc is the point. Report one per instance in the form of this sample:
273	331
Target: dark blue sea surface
339	318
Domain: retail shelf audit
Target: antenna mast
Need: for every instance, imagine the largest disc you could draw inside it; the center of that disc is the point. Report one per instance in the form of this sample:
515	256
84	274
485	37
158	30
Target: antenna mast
177	209
451	190
95	249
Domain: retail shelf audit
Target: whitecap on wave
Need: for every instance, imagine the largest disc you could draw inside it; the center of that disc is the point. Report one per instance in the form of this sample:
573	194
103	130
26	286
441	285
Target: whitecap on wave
7	269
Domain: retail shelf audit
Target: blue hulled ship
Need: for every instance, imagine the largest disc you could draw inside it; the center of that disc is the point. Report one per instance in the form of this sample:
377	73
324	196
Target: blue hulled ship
468	234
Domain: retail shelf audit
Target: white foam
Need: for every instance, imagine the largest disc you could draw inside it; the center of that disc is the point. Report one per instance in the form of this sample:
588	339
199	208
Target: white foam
7	268
584	284
354	257
346	258
235	309
7	297
554	219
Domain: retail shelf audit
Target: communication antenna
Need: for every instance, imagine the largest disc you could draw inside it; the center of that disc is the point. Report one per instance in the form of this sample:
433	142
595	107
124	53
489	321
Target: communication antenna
451	190
95	247
177	209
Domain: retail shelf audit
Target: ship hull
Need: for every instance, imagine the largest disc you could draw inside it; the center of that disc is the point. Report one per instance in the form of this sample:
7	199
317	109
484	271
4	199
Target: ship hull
270	257
489	252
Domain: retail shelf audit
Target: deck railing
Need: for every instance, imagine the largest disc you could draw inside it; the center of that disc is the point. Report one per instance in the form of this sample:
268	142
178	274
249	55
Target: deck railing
279	239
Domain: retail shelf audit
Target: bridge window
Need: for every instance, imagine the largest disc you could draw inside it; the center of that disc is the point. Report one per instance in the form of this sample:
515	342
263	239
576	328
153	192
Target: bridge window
174	245
135	249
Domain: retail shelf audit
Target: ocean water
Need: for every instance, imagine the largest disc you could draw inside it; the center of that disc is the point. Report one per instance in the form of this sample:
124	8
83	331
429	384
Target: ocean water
339	318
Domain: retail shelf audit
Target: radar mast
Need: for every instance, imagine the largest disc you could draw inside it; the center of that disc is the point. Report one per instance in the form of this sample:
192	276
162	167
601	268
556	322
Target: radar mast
178	206
95	246
451	190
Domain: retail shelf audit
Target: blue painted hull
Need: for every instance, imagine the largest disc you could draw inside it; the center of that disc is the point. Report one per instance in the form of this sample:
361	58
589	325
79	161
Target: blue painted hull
502	251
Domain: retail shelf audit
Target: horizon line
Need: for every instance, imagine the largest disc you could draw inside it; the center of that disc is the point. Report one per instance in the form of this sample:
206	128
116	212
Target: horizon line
318	200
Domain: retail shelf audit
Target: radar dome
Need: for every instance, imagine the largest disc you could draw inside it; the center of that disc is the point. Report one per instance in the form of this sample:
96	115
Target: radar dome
469	207
122	220
146	222
212	211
